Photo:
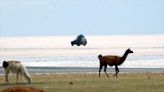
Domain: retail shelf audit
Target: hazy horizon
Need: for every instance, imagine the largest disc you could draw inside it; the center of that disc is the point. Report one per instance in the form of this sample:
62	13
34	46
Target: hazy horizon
64	41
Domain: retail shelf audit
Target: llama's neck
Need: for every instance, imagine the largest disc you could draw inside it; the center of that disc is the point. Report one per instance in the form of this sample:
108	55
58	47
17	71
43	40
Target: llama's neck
124	56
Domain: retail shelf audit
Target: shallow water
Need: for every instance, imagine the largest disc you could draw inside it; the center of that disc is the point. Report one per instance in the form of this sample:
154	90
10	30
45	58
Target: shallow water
65	70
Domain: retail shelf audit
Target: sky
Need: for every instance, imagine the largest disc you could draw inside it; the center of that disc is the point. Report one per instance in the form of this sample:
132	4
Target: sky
88	17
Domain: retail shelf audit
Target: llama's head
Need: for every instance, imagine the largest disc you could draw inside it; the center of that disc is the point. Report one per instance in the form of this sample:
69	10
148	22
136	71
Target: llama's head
5	64
29	79
129	51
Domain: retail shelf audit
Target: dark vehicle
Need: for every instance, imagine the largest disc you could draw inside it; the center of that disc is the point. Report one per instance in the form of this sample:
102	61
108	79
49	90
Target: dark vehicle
80	40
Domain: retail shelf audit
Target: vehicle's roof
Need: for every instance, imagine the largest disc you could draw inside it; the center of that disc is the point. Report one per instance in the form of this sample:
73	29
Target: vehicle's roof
81	35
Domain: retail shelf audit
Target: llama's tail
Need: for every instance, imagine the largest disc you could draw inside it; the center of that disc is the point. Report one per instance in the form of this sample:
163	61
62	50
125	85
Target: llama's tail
100	56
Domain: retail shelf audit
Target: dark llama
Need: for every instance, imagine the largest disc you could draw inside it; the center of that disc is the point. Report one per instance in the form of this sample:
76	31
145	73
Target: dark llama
112	60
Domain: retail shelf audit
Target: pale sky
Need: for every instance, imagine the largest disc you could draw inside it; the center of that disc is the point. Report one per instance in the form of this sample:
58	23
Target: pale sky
88	17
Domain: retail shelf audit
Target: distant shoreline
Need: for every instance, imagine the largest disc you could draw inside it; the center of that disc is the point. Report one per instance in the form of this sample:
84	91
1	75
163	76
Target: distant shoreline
42	70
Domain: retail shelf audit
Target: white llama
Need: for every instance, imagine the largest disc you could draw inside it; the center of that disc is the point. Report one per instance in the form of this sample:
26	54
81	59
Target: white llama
16	67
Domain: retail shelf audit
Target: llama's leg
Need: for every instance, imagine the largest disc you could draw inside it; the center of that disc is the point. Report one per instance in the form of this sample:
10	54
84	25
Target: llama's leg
105	70
116	70
6	77
22	78
17	76
100	70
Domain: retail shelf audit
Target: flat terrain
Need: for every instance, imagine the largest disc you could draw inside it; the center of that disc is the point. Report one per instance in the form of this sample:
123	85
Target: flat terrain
127	82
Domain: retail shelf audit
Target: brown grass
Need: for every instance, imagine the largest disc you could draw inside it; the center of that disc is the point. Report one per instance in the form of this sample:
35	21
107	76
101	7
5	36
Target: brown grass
22	89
